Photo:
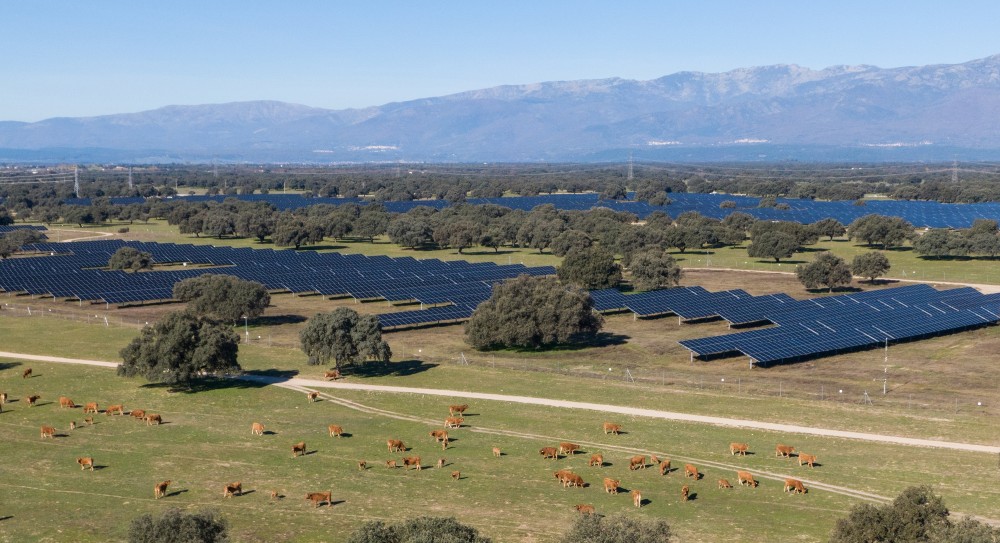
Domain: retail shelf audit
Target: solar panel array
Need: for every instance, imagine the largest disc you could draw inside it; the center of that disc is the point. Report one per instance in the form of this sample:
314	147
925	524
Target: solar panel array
68	273
918	213
4	228
821	326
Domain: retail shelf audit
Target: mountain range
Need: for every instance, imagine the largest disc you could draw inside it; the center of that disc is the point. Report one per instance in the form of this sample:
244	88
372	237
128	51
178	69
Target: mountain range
781	112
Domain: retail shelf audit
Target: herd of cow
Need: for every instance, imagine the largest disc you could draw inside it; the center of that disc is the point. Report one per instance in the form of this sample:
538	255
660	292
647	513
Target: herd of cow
566	477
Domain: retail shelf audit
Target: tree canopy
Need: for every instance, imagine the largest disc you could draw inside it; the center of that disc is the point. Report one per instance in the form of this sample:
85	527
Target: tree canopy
533	312
176	526
590	268
776	245
872	264
417	530
179	348
130	259
345	337
223	297
881	230
826	270
653	269
618	528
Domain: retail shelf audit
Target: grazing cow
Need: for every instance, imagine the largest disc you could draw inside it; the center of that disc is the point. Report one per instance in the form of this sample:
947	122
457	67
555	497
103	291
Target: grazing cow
611	485
561	475
746	478
738	448
794	486
585	509
395	445
496	452
257	429
574	480
568	449
457	409
596	460
232	489
807	459
412	461
444	444
783	451
637	462
610	428
30	400
312	396
26	373
89	420
665	467
160	489
332	375
117	408
153	419
3	398
320	497
724	483
298	448
48	431
66	402
335	430
72	425
691	471
549	452
653	459
138	414
362	465
90	407
636	498
390	464
453	422
274	494
685	492
440	463
456	475
439	435
86	462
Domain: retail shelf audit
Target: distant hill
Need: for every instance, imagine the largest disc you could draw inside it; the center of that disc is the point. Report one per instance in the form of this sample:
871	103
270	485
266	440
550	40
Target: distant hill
772	113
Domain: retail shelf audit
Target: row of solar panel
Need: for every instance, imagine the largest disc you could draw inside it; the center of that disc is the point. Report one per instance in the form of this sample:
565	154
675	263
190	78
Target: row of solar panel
919	213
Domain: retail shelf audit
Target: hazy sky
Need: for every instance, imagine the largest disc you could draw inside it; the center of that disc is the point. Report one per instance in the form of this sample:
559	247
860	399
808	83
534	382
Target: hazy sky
81	58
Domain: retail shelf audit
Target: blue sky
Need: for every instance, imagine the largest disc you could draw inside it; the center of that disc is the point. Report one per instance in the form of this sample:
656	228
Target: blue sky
81	58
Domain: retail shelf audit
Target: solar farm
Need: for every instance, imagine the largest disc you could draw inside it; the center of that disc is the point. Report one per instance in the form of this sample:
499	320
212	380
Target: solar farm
919	213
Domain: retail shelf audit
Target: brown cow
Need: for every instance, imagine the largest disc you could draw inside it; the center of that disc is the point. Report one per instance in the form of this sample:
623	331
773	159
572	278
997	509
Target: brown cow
453	422
89	420
549	452
457	409
86	462
685	492
413	461
138	414
362	465
26	373
3	398
456	475
738	448
637	462
66	402
794	486
665	467
30	400
561	475
153	419
610	428
574	480
444	444
691	471
496	452
636	498
807	459
439	435
585	509
724	483
257	429
298	448
441	462
72	425
312	396
390	464
90	407
568	449
160	489
746	478
395	445
332	375
653	459
48	431
274	494
320	497
232	489
611	485
783	451
335	430
596	460
117	408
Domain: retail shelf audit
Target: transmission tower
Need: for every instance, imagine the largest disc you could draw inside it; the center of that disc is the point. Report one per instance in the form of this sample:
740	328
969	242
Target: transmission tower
76	180
130	177
954	171
629	176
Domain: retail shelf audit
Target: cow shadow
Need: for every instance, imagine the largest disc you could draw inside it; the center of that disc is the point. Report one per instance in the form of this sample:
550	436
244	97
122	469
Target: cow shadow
623	490
816	465
402	368
175	493
307	453
335	502
39	404
692	496
269	433
6	517
99	468
245	492
346	434
60	434
646	501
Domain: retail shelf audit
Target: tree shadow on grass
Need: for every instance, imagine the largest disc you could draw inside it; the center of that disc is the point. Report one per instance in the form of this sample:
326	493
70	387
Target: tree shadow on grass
602	339
250	379
401	368
9	365
279	319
